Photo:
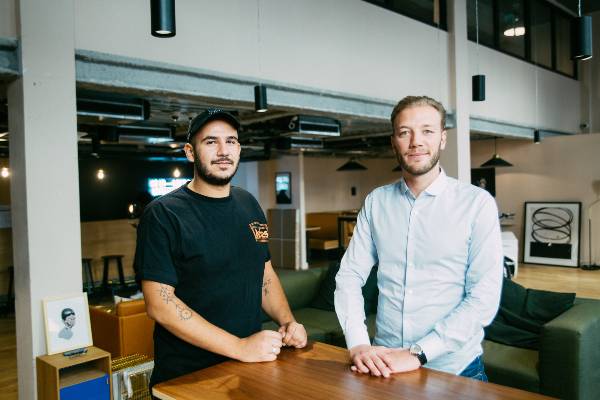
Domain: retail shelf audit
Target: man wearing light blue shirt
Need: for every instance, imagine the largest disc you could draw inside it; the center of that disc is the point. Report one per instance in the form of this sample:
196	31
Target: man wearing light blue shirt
438	248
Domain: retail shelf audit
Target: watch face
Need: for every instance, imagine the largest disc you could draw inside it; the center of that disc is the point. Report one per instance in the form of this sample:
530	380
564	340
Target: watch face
415	349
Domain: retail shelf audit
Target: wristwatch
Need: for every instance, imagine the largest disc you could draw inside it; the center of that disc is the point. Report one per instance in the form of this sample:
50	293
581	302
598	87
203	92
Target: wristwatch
415	350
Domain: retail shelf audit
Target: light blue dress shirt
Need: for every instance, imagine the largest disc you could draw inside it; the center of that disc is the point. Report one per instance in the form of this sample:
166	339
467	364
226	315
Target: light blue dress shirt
440	270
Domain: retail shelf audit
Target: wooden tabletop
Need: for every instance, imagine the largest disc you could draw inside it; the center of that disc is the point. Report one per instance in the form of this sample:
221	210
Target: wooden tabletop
321	371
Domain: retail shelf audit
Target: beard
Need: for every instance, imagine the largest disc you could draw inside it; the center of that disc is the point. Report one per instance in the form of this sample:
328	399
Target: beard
204	173
416	170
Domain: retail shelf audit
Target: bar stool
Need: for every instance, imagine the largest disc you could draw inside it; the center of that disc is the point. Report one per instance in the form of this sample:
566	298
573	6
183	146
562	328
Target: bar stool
88	277
106	260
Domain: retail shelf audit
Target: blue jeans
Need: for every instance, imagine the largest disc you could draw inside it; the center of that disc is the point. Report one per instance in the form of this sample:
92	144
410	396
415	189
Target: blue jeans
475	370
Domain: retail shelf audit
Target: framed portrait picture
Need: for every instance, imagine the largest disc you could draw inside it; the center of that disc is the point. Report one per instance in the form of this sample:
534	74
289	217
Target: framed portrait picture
552	232
67	321
484	178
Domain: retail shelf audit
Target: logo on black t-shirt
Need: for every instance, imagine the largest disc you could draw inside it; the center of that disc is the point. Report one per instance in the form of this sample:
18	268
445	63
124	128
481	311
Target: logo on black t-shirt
260	232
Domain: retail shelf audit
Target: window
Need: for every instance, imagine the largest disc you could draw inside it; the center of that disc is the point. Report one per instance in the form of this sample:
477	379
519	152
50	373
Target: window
511	27
533	30
564	63
541	34
432	12
486	21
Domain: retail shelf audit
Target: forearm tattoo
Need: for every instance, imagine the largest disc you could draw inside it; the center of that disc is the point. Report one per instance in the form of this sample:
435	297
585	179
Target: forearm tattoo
168	296
266	286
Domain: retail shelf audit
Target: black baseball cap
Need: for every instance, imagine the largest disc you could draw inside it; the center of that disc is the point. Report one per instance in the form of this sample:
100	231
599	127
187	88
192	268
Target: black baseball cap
209	115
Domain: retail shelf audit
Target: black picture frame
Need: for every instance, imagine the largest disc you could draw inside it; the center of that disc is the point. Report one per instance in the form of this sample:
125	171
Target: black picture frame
283	187
552	233
484	178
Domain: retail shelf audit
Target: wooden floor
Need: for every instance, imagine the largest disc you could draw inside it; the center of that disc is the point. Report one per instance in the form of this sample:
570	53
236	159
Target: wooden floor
8	359
560	279
583	283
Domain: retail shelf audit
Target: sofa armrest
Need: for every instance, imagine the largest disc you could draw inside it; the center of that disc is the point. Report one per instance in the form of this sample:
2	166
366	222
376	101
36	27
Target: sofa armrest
105	328
569	365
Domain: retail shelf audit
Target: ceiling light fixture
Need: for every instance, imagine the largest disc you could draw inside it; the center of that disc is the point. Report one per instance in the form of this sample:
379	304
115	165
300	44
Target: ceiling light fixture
162	18
352	165
581	36
176	173
5	172
260	98
496	160
100	175
477	81
516	31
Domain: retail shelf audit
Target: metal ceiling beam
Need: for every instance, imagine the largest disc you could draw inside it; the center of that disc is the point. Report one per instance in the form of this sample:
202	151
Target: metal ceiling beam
496	128
107	71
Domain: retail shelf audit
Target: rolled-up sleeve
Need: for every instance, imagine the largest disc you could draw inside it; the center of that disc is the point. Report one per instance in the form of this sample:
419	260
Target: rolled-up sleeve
355	267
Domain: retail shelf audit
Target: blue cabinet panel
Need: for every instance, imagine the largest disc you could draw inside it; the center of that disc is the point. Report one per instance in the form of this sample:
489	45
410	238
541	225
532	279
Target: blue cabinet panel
94	389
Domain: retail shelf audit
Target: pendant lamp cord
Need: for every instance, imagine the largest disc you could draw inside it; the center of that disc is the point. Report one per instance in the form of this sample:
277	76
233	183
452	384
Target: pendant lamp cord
477	31
258	36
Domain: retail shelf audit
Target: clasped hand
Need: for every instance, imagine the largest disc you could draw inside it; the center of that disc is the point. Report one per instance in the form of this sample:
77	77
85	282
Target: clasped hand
293	334
266	345
381	361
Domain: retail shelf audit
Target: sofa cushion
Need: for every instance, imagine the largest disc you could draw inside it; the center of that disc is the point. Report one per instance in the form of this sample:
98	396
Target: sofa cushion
324	300
300	287
511	366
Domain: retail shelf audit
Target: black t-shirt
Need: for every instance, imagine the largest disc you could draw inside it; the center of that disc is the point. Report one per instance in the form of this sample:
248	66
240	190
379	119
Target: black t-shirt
213	252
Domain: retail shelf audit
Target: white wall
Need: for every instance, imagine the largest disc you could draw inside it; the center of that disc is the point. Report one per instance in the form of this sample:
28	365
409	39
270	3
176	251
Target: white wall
246	177
266	173
326	189
561	168
511	92
8	26
339	45
346	46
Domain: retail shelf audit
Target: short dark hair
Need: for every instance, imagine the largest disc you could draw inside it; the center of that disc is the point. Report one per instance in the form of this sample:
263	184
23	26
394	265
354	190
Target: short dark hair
413	101
66	312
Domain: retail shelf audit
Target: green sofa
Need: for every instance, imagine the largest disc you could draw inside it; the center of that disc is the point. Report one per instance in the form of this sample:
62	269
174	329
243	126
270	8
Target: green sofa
567	366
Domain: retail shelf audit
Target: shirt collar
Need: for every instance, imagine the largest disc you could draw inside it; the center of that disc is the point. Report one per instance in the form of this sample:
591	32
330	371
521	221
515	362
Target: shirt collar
436	187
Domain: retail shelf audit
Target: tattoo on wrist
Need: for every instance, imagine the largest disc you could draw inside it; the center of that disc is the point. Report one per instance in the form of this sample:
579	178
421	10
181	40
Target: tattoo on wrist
168	296
266	285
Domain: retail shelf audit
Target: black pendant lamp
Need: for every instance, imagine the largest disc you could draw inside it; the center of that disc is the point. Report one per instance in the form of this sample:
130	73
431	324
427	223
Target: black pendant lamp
537	138
260	98
397	169
581	36
352	165
477	81
496	160
162	18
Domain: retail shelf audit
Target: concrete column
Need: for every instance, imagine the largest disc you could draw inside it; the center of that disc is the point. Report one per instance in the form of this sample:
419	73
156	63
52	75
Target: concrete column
44	180
456	159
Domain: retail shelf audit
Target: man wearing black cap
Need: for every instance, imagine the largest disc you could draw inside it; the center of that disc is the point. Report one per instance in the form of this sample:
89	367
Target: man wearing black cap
204	264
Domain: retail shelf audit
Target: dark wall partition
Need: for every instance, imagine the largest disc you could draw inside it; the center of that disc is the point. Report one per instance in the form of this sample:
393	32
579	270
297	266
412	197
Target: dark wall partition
124	182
